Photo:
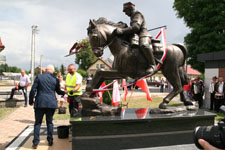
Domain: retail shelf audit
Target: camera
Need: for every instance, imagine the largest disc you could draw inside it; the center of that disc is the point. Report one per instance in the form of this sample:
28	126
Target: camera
215	135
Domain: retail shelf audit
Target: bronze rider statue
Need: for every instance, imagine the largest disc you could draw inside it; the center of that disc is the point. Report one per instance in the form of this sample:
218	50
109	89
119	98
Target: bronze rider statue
138	28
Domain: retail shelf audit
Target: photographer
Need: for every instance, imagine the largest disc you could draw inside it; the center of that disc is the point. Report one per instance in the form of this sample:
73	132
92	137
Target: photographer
211	137
206	145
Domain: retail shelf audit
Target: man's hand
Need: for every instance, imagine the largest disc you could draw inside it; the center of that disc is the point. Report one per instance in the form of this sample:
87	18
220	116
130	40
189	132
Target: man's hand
118	31
206	145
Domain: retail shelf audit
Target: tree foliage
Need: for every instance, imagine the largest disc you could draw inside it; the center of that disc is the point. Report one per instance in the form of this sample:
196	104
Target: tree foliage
6	68
85	56
206	19
62	69
82	72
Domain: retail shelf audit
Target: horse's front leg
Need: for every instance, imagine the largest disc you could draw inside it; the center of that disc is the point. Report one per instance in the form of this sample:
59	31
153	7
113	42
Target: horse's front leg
90	104
100	76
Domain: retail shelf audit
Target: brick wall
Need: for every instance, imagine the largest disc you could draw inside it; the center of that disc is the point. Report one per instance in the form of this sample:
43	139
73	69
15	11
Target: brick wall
222	72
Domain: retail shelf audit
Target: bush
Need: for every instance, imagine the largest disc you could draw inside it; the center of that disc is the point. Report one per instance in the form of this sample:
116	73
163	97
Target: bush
107	95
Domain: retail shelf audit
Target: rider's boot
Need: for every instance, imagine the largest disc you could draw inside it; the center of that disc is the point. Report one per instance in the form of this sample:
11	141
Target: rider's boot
148	54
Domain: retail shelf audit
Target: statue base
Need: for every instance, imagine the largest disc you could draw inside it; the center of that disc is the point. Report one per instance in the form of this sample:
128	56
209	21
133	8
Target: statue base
137	128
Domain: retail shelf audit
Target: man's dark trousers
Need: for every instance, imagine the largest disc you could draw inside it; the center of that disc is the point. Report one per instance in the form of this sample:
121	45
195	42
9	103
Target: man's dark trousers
24	93
74	104
39	113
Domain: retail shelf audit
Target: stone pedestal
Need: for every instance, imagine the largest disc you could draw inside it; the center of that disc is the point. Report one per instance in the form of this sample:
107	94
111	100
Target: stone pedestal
136	128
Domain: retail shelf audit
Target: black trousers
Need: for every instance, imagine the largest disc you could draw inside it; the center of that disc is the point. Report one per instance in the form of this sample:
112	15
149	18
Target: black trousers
39	113
218	103
212	101
198	97
74	104
24	93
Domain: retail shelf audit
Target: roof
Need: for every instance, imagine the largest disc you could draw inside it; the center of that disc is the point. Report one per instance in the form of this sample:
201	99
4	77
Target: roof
220	55
191	71
106	63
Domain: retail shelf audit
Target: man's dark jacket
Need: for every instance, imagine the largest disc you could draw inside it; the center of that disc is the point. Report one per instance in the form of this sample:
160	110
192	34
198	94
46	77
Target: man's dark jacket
45	86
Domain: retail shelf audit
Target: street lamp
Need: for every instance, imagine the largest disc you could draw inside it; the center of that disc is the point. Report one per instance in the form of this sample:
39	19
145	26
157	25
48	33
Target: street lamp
41	64
34	31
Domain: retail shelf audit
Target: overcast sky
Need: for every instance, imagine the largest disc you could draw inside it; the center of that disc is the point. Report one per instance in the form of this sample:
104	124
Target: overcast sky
63	22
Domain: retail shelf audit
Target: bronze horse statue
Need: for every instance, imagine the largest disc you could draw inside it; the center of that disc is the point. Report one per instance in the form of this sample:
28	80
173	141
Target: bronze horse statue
128	62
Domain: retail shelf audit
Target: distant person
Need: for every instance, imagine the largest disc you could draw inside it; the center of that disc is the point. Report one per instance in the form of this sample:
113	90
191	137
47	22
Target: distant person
73	89
197	89
212	93
22	85
44	87
187	90
89	79
162	85
62	87
219	93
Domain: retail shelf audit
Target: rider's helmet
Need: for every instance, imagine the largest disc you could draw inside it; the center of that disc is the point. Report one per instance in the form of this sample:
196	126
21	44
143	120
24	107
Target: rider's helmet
128	5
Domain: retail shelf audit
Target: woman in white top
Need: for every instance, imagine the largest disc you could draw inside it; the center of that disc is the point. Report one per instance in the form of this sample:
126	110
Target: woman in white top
59	97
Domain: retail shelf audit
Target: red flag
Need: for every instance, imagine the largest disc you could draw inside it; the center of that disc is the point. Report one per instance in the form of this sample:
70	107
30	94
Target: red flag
73	47
143	85
124	85
79	47
141	113
100	94
116	94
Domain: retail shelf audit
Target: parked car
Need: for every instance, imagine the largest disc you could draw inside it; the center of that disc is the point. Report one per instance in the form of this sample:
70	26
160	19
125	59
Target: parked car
154	83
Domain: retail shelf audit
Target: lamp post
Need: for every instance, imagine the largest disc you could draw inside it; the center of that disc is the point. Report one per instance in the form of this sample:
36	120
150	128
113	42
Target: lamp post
41	64
34	31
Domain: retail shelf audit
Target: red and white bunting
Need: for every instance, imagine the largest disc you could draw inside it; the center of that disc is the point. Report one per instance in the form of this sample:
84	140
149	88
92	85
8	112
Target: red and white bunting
116	94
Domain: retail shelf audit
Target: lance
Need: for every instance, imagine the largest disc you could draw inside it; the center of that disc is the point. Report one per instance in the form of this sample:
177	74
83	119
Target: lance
158	28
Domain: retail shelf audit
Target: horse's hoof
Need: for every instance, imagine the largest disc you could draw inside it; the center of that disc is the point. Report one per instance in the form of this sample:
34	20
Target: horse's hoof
163	105
187	103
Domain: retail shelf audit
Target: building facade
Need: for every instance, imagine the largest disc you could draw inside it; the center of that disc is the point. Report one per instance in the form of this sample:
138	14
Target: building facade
98	64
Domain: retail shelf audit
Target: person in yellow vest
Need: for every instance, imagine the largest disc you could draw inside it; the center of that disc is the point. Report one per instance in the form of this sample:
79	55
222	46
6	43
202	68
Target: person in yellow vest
73	89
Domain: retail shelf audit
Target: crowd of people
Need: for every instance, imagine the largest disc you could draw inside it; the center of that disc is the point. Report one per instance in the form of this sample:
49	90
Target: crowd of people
217	91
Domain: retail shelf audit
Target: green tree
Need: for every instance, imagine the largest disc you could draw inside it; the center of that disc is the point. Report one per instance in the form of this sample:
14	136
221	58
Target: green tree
6	68
85	56
107	95
82	72
62	69
206	19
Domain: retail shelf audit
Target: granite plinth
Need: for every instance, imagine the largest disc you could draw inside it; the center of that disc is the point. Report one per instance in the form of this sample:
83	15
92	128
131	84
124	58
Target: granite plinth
136	128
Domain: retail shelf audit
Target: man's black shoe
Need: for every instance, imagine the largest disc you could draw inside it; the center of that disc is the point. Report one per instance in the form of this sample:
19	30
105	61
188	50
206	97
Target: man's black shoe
9	99
50	143
34	146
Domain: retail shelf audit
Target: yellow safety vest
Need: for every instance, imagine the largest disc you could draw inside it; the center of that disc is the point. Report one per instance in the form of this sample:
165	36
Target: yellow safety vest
71	84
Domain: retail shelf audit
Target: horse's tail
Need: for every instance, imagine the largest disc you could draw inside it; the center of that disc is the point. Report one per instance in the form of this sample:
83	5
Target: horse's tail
183	49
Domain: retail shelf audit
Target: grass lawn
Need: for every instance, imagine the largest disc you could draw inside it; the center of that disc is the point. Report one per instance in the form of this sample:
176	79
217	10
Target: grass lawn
5	112
140	102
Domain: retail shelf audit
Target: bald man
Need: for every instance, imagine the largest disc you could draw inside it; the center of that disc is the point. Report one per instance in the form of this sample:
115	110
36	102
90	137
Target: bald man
23	85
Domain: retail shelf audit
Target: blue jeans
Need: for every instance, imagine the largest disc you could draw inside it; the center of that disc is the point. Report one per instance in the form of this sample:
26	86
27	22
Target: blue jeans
39	113
24	93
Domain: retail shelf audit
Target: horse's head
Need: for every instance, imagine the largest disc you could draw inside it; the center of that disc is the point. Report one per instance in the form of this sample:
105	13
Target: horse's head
99	33
97	37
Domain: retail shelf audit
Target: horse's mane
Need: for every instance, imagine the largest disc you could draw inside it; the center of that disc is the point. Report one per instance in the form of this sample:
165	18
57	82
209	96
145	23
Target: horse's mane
103	20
